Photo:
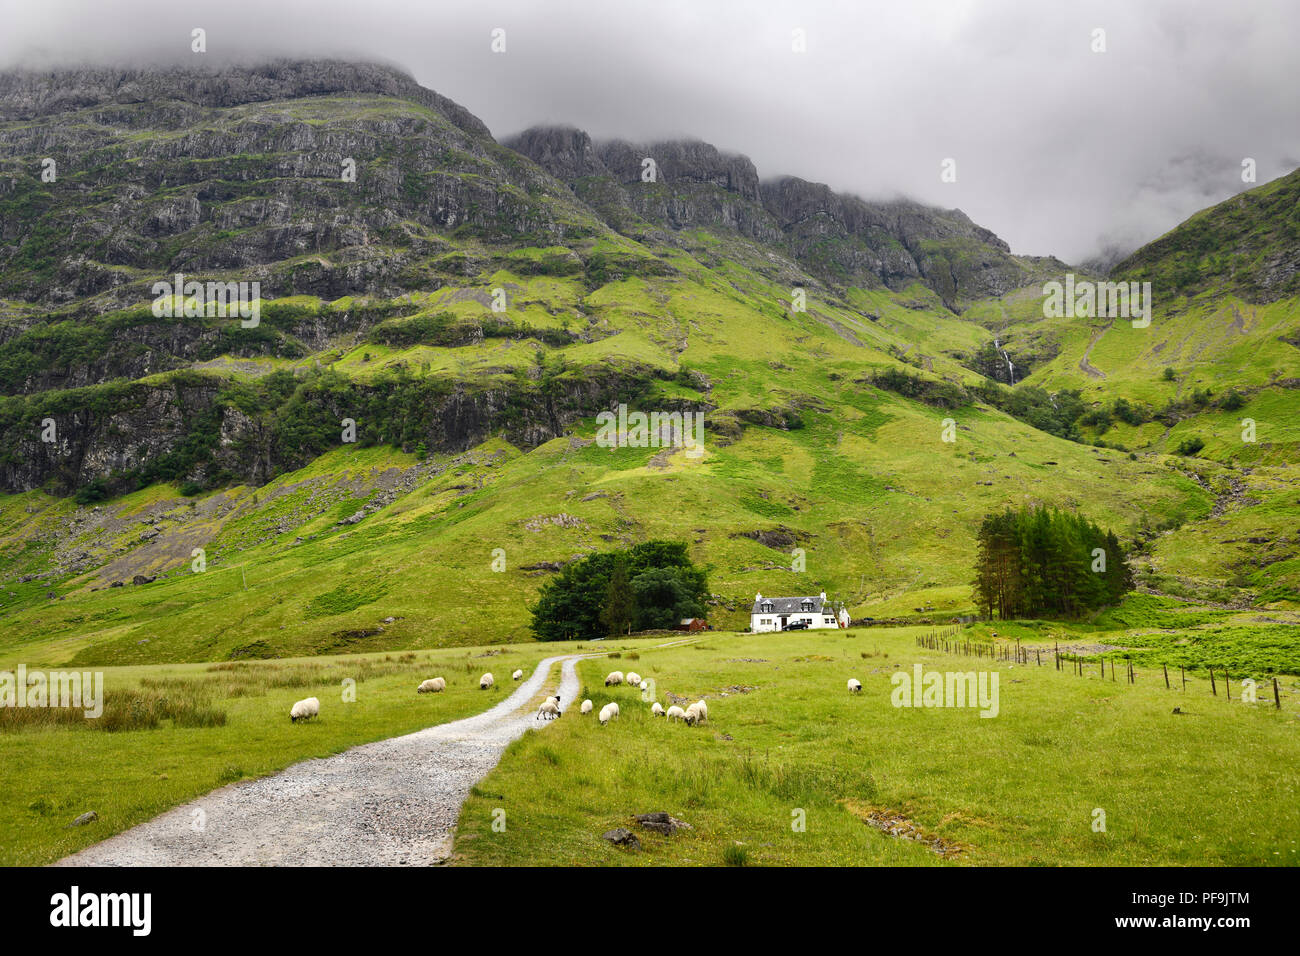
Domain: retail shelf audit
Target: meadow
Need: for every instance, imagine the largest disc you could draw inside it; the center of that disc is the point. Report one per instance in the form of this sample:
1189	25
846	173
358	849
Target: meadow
878	785
172	733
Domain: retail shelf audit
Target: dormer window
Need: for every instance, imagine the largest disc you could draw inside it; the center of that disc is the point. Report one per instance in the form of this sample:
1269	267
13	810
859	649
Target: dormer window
767	607
806	605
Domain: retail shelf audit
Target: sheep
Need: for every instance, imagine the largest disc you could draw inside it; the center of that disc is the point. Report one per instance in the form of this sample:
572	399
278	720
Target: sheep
433	685
697	713
614	677
486	681
517	675
304	710
676	713
550	708
634	678
644	685
656	709
585	708
855	686
608	712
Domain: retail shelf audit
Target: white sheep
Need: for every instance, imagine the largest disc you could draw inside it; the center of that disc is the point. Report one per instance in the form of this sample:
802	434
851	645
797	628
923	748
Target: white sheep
550	708
517	675
608	712
676	713
305	710
644	685
585	708
697	713
614	677
656	709
486	681
634	678
433	685
855	686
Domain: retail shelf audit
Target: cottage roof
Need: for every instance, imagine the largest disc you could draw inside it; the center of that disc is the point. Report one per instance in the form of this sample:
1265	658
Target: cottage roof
790	605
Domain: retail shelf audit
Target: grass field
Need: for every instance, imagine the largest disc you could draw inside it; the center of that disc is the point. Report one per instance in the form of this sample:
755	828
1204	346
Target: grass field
1208	786
54	772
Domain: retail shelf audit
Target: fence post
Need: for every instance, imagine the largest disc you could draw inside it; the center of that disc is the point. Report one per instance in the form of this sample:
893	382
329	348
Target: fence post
1277	701
1214	688
1166	667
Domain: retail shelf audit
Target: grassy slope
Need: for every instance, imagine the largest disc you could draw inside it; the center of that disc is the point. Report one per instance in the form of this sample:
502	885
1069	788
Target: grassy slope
1195	788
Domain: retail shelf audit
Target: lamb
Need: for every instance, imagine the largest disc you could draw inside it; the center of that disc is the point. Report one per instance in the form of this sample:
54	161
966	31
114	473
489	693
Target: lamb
486	681
550	708
697	713
517	675
855	686
615	677
585	708
634	678
656	709
676	713
433	685
305	710
607	712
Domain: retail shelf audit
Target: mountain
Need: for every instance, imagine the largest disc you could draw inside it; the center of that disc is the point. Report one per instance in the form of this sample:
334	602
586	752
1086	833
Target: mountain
466	308
1248	245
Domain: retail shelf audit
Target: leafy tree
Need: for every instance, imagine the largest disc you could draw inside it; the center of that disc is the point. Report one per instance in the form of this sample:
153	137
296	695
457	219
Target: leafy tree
576	603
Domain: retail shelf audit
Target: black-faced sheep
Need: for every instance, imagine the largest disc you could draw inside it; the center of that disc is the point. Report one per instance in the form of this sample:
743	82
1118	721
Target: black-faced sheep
855	686
656	709
434	685
550	708
517	675
697	713
613	678
305	710
608	712
585	708
486	681
676	713
634	678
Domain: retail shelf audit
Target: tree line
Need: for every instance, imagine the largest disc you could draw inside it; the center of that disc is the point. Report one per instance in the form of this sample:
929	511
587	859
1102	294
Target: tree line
1040	562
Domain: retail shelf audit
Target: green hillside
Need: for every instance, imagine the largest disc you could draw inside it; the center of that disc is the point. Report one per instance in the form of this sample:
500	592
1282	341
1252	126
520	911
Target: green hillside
475	425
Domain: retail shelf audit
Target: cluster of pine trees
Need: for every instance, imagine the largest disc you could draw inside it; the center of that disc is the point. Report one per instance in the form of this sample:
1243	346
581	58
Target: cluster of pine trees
1040	562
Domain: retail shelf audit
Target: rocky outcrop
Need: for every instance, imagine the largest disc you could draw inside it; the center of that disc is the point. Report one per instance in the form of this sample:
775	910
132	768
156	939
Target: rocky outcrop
839	238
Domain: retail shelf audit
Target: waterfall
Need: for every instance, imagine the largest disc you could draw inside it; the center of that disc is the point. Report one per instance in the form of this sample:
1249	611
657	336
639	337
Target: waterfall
1011	369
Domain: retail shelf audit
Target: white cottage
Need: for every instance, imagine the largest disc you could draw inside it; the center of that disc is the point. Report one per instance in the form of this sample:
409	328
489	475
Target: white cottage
776	613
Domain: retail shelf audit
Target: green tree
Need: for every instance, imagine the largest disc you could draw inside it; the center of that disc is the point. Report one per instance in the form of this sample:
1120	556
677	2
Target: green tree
620	600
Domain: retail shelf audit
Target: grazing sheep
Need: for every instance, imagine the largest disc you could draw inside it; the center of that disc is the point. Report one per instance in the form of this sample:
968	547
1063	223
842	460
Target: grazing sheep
676	713
585	708
697	713
614	677
305	710
656	709
550	708
644	685
517	675
607	712
634	678
486	681
433	685
855	686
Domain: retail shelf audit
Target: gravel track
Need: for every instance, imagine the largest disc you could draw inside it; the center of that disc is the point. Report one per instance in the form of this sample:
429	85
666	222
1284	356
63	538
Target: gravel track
390	803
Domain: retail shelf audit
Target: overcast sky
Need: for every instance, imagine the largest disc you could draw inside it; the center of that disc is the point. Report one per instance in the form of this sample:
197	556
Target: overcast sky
1058	149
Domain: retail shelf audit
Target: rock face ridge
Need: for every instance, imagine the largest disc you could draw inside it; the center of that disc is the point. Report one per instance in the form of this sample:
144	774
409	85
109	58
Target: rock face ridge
841	238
